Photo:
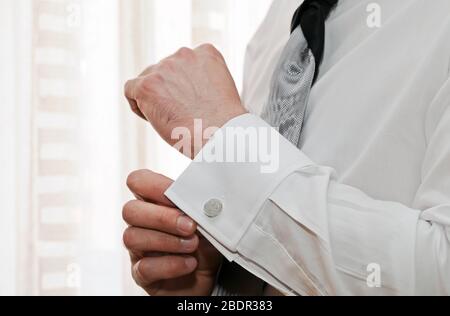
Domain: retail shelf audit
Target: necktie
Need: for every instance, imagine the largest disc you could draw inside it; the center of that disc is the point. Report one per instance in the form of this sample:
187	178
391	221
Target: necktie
297	69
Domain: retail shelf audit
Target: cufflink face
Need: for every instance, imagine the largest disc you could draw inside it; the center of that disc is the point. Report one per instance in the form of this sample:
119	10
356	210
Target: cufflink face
213	208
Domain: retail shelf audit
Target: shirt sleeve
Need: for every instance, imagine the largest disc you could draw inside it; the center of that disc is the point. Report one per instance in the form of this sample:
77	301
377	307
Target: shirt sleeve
293	225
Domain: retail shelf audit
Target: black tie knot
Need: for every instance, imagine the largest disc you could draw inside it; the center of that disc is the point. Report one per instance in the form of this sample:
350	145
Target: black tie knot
311	16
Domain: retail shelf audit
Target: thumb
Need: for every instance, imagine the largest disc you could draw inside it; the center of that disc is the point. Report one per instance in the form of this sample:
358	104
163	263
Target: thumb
150	187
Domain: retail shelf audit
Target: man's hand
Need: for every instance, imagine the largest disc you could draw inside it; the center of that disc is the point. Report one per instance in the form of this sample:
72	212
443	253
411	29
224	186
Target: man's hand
168	256
189	85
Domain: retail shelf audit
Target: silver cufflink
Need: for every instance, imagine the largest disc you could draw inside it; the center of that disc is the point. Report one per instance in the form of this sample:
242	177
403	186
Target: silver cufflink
213	208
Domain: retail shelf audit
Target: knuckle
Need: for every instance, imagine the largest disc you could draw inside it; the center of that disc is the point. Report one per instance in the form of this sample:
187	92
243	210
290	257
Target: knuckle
147	71
149	84
129	238
165	66
143	87
131	181
136	277
162	218
167	218
128	211
208	47
212	52
184	52
134	179
174	266
164	242
127	87
142	274
151	243
155	79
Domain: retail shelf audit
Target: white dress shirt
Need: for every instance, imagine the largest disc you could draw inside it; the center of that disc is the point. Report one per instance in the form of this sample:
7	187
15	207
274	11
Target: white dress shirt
370	187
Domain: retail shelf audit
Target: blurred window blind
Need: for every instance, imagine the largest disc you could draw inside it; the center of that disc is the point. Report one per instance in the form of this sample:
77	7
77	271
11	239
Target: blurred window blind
56	98
229	24
73	138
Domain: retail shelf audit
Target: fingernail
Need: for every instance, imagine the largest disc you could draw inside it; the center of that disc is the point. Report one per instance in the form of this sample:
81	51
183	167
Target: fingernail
188	244
191	263
185	225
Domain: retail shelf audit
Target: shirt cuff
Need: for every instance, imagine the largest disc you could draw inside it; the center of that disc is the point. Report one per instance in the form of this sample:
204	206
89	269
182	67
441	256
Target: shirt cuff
226	186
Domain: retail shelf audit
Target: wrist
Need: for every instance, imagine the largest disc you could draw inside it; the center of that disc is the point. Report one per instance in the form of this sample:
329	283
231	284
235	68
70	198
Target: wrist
208	131
190	136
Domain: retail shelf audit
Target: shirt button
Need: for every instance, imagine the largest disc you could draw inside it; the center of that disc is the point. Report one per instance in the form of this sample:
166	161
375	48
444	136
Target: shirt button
213	208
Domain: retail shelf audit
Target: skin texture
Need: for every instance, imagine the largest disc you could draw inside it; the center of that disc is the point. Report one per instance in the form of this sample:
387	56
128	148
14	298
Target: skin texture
168	256
189	85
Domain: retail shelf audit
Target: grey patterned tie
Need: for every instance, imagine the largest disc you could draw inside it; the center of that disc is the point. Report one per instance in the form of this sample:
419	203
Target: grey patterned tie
290	88
297	70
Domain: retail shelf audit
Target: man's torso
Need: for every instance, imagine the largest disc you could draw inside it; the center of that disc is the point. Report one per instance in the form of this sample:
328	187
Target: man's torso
369	109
